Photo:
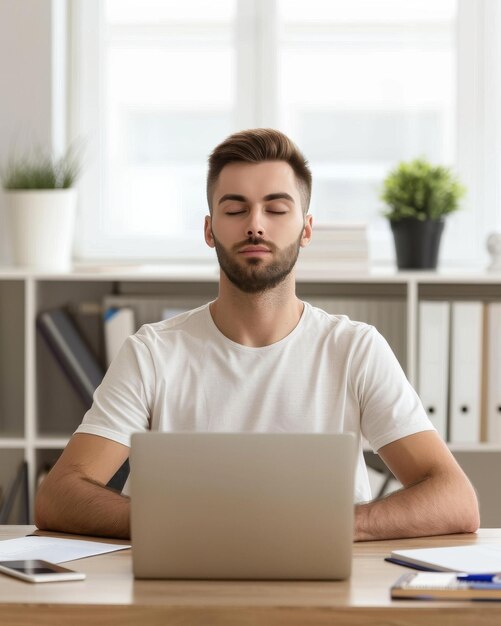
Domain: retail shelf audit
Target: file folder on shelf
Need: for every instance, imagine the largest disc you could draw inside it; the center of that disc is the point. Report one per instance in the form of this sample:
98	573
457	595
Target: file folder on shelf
71	351
466	371
433	368
78	363
119	323
494	373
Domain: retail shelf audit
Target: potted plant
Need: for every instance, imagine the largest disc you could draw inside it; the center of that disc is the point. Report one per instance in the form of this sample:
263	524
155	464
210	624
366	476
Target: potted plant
419	195
41	208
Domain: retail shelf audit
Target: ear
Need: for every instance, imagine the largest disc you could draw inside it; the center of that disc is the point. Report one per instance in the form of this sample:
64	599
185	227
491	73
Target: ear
307	231
209	239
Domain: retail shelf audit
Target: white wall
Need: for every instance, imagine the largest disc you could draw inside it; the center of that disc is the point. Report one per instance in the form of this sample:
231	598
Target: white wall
25	83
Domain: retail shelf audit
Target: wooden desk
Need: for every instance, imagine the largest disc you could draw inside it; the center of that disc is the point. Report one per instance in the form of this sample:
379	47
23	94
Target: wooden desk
111	595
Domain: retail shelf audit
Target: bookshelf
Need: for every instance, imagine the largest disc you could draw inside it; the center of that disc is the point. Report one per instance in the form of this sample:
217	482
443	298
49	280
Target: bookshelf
39	409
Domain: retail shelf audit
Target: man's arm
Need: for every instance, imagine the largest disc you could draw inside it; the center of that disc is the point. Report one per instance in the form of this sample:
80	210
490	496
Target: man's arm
437	497
73	498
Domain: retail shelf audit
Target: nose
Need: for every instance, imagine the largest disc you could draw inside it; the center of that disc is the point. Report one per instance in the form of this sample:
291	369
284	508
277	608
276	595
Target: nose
254	227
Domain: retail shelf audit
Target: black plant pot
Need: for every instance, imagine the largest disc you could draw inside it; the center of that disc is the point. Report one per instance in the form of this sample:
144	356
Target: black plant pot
417	243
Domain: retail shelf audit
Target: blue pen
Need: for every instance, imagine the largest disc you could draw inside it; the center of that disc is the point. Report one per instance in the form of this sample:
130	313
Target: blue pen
479	578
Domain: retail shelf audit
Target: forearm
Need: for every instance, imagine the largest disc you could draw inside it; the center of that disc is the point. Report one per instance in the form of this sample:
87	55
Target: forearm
437	505
77	504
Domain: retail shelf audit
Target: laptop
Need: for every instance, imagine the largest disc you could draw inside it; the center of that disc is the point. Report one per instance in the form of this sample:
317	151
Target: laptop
236	506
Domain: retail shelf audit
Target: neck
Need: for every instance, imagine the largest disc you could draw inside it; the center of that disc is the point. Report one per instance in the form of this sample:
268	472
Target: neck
257	320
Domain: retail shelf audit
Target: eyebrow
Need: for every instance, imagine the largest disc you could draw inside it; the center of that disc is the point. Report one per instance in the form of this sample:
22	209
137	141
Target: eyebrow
271	196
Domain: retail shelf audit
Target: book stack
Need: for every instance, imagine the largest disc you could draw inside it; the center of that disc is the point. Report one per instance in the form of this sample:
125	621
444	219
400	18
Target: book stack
343	245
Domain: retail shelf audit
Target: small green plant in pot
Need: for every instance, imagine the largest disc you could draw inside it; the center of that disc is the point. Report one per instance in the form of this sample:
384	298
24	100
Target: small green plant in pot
41	170
41	207
418	196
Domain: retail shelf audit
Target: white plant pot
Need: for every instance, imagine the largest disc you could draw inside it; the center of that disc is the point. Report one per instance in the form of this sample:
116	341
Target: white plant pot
42	223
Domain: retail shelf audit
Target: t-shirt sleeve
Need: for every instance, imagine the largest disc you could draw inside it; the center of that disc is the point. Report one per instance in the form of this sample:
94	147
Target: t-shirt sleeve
389	406
122	402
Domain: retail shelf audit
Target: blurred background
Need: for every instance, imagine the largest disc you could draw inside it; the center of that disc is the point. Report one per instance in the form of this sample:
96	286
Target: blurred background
149	87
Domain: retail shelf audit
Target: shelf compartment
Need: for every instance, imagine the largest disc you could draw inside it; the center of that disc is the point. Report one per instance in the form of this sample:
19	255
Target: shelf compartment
12	360
11	460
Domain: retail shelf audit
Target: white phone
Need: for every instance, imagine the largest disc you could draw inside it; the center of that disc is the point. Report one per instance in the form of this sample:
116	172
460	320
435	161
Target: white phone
37	571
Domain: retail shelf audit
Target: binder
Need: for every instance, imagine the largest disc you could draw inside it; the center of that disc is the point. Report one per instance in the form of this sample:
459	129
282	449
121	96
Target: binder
433	361
76	359
119	324
494	372
466	371
78	363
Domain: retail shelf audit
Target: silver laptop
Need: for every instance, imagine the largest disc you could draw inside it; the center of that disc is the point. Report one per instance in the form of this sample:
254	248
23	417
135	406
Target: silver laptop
242	506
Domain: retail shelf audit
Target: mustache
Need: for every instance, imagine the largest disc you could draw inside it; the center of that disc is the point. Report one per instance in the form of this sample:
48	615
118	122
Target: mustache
254	241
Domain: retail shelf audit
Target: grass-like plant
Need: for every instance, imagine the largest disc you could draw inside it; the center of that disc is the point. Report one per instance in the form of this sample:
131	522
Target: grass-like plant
417	189
41	170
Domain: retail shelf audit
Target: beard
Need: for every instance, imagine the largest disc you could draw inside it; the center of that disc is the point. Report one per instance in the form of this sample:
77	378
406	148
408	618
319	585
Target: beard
254	275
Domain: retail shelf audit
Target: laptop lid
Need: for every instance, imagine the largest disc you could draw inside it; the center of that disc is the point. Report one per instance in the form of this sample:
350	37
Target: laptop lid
242	505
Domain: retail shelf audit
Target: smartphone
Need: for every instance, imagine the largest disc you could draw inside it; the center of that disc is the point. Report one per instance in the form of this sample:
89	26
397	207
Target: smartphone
37	571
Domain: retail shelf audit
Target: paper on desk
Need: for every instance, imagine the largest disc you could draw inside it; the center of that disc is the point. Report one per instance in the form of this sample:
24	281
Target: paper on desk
53	549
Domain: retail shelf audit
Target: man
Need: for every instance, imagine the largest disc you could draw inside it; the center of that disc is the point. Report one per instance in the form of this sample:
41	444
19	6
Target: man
259	359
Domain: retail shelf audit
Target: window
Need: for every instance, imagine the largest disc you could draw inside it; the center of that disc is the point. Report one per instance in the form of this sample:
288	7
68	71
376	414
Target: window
365	84
358	84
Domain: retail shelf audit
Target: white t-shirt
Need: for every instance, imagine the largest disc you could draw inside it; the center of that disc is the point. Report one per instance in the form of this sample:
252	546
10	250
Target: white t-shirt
329	375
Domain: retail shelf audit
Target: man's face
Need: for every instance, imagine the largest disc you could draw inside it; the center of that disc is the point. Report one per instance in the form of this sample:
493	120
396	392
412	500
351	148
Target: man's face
257	224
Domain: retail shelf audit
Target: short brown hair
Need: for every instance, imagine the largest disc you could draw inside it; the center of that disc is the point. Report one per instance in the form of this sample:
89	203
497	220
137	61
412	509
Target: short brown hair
255	146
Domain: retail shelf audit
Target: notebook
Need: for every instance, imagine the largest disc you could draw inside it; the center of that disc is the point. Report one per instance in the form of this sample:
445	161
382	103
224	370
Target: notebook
443	586
242	505
472	559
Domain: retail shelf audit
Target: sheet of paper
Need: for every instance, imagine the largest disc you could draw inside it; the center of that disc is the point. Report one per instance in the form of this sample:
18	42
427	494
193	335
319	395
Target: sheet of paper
53	549
434	580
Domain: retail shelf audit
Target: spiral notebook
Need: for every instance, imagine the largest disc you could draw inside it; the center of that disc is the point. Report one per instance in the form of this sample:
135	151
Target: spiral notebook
442	586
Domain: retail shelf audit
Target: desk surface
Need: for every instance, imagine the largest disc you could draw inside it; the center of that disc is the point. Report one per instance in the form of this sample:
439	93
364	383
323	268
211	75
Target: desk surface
111	595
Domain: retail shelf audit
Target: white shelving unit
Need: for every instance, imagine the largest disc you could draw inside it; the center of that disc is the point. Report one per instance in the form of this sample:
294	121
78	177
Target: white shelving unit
38	408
